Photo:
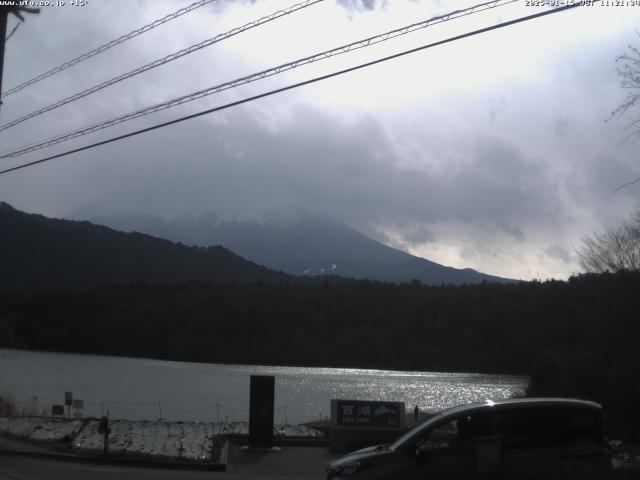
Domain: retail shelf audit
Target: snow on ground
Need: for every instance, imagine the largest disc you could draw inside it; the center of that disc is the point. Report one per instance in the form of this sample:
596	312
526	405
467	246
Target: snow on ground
188	440
43	429
624	461
185	440
22	426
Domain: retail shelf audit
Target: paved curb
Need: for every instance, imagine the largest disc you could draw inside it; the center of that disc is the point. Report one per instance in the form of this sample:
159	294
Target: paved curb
223	458
302	442
288	441
118	460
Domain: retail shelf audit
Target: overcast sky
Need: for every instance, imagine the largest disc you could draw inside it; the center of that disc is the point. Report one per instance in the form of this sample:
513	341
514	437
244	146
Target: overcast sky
491	152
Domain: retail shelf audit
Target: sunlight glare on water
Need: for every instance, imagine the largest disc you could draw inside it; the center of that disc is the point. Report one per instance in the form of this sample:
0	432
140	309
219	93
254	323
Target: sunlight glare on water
136	388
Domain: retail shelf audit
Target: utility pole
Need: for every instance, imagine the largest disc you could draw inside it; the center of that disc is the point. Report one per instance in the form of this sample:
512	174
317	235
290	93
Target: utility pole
5	10
4	15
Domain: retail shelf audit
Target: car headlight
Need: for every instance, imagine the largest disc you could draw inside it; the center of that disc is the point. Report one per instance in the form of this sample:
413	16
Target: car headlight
345	469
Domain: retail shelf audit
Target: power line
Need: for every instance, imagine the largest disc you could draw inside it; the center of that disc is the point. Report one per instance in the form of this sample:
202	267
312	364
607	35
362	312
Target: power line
108	45
295	85
161	61
258	76
30	144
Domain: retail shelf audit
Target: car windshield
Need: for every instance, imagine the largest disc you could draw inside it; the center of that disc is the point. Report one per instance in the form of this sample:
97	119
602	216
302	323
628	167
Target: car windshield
414	432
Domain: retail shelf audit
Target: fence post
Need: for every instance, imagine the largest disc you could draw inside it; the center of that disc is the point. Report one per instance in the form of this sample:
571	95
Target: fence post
104	429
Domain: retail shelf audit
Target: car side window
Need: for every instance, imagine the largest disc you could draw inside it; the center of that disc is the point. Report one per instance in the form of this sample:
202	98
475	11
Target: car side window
581	425
459	434
440	438
532	427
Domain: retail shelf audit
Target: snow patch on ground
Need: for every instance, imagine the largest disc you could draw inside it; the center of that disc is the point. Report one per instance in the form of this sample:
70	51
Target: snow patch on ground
42	429
625	461
184	440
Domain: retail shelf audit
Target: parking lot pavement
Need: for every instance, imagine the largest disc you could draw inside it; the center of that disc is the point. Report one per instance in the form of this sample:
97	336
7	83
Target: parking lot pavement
12	443
35	468
303	462
298	462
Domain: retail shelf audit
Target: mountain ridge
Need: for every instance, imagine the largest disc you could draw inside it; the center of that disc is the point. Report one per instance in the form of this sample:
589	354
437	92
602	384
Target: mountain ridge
37	252
308	245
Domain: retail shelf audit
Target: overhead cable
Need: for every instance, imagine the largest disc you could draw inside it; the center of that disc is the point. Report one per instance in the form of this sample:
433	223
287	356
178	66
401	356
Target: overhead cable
295	85
161	61
107	46
257	76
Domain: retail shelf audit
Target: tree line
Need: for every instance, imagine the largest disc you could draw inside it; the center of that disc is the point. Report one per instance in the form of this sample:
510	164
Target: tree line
574	338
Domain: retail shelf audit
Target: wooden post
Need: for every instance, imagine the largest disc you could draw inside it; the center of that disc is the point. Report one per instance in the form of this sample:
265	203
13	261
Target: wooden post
4	15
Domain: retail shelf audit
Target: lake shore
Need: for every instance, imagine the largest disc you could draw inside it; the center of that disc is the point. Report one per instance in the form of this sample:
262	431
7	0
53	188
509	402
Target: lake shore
188	441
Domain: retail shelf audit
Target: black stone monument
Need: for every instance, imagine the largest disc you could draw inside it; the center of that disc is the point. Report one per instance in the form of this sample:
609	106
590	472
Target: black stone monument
261	411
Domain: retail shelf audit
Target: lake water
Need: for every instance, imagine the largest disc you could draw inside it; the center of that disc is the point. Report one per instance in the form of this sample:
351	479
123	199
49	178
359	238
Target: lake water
138	389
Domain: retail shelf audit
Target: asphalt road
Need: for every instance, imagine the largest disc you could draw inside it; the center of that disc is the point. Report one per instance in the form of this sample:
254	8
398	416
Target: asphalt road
30	468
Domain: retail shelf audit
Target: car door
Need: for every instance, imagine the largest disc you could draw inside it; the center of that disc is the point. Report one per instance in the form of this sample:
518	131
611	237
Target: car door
529	436
552	442
448	451
586	456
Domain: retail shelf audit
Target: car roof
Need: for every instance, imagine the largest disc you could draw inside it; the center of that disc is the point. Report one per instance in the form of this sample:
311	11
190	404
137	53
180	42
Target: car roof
514	403
494	406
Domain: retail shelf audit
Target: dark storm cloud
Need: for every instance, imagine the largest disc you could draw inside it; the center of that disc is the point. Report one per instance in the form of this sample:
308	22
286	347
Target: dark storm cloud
418	234
315	163
595	179
497	106
561	126
559	252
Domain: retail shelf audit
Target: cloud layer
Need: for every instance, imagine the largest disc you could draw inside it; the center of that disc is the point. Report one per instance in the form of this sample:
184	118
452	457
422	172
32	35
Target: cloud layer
491	154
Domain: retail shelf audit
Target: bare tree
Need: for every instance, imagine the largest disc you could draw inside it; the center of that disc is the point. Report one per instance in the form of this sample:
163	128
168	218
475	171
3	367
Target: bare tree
614	250
629	70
